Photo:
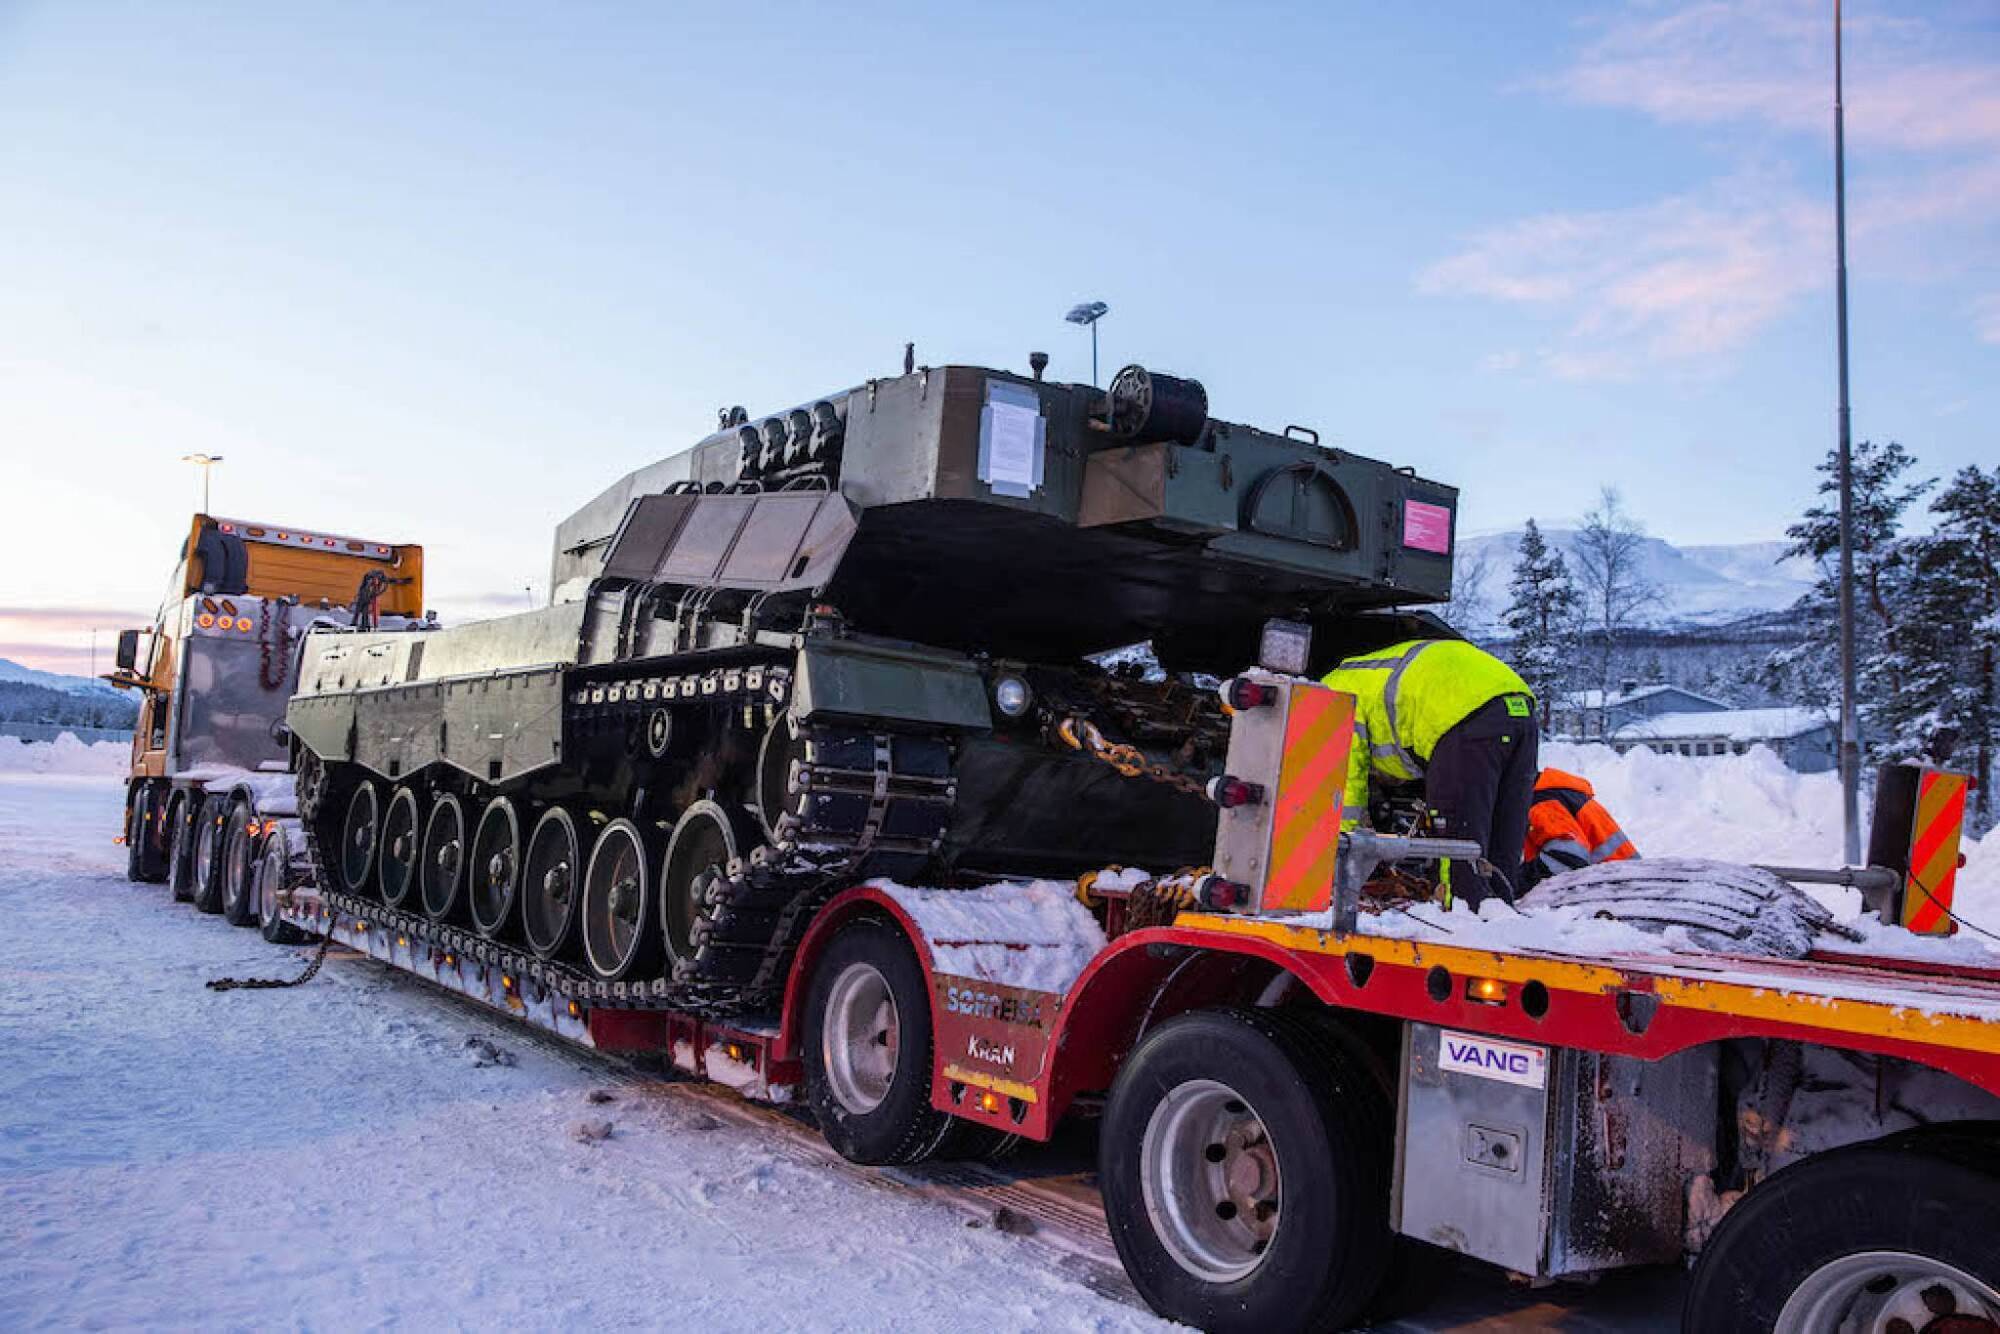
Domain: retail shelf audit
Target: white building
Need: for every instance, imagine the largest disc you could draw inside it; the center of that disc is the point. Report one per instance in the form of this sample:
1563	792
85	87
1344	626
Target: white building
1804	739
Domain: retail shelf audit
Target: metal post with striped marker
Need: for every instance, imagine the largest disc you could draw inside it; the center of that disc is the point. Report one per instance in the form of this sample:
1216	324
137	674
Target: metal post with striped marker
1932	876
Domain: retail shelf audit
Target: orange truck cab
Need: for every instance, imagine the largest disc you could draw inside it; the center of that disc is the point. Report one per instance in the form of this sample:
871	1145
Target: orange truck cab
217	665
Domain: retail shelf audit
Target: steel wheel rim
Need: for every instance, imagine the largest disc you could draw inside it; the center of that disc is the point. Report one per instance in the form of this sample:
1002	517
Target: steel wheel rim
494	867
549	882
1209	1175
615	890
860	1038
401	844
442	858
1864	1292
702	839
360	831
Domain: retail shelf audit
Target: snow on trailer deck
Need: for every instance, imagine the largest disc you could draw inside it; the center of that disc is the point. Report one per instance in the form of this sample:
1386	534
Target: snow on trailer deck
369	1151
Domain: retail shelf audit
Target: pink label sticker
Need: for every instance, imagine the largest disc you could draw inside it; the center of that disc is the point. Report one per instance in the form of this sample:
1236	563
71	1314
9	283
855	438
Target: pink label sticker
1427	527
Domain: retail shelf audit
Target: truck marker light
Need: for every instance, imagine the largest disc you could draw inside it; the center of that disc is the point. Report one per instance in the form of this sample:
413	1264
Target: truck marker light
506	982
575	1010
991	1102
228	608
1229	793
243	623
208	605
1240	694
735	1051
1485	991
204	622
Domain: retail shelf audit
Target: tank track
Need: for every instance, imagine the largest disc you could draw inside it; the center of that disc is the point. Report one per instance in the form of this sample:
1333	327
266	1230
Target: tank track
856	804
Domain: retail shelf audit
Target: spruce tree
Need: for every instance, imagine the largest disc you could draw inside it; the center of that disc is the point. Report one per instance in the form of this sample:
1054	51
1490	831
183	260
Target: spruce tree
1956	585
1541	617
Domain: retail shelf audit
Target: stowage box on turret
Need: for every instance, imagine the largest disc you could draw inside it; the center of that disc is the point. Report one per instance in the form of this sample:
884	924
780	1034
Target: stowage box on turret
847	640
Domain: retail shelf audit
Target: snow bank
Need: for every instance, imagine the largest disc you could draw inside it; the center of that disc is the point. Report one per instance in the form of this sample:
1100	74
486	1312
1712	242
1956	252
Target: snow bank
64	755
1029	933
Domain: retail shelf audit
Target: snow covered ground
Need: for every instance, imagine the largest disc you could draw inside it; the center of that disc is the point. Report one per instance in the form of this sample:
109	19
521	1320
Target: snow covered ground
349	1154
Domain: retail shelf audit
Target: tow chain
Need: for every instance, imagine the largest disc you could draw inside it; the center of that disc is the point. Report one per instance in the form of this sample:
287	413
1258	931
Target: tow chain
1083	735
275	983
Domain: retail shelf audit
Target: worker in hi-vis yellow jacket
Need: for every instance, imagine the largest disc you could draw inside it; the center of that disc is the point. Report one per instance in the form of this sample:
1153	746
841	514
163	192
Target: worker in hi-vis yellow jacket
1462	722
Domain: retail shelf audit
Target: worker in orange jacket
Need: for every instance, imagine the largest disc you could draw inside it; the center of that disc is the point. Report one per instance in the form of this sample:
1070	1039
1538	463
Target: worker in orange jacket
1568	828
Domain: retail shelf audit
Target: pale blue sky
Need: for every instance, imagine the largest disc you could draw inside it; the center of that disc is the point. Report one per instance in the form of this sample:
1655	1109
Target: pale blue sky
442	272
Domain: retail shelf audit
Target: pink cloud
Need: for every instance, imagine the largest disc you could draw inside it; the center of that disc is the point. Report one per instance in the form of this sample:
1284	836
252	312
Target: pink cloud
1687	280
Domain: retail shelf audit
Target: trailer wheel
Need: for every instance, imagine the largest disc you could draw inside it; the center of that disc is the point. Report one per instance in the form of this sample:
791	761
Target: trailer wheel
1894	1234
1244	1159
145	862
180	846
239	863
868	1049
273	874
206	884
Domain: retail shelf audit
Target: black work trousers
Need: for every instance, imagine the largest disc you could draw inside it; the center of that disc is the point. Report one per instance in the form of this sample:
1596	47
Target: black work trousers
1478	784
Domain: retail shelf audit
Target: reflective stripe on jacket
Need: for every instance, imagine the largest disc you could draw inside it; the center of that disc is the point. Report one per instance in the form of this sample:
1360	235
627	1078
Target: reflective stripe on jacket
1407	696
1569	828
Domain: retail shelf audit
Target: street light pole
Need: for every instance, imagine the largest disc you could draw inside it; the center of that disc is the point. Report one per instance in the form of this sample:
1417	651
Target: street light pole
1088	313
1850	731
203	462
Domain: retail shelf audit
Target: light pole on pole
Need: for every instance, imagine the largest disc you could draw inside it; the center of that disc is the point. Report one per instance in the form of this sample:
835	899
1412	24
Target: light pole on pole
1088	314
1850	730
203	462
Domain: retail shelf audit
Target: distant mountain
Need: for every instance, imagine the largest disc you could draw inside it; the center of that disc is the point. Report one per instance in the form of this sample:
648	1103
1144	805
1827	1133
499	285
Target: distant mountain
68	685
1704	585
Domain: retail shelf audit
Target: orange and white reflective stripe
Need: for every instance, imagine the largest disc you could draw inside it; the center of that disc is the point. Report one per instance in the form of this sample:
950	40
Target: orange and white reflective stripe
1934	838
1312	781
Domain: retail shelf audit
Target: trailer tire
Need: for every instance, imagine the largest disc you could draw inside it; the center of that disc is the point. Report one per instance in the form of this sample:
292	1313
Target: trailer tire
145	863
273	870
180	846
1884	1223
1305	1121
205	859
239	864
870	962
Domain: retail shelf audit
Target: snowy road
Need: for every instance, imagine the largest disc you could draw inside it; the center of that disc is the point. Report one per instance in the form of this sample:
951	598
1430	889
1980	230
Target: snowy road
339	1156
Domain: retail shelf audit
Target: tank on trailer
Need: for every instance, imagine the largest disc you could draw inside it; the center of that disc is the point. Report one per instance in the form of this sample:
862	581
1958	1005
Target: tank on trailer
849	639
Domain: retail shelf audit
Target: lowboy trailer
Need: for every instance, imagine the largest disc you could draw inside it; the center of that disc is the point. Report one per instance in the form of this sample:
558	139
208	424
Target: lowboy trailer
795	681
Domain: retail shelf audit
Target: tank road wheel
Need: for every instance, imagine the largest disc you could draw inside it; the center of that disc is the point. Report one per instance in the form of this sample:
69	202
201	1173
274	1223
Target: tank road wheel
618	936
441	861
360	837
494	872
705	840
145	853
1892	1235
549	882
273	874
1244	1161
206	888
402	832
239	863
868	1049
180	846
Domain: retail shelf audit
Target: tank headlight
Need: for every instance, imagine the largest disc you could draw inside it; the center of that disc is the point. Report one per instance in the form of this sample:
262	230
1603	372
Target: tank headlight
1012	696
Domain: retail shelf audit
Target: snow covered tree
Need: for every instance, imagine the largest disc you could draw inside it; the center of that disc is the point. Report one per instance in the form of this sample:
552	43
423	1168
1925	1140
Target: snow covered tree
1956	587
1897	640
1542	615
1609	549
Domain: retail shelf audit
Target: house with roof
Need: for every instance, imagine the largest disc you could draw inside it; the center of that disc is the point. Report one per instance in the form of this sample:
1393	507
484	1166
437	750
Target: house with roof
1805	739
1593	715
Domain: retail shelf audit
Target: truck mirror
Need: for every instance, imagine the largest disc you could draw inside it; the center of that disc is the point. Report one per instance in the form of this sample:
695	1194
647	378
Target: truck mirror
128	650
